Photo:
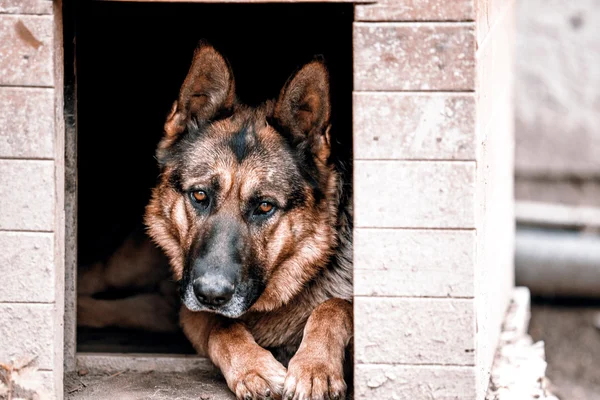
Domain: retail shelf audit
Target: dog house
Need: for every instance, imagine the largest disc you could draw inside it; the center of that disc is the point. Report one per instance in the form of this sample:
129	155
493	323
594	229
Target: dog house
429	101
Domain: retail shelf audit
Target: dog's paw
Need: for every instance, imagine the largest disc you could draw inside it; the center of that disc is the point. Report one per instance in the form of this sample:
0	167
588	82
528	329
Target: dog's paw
260	379
314	376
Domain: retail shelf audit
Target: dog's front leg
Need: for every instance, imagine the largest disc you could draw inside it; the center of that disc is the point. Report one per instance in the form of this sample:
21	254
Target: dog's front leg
251	372
316	372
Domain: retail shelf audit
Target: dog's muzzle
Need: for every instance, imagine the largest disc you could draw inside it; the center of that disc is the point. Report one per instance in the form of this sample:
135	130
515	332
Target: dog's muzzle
213	290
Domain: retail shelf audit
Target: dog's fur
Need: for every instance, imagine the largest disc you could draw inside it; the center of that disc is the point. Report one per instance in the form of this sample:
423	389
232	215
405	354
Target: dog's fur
291	267
138	269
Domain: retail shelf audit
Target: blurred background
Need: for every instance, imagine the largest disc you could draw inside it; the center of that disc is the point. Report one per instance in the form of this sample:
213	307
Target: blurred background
557	185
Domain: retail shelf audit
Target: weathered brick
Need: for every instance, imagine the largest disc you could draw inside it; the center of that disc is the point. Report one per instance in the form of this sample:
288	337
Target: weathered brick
416	10
27	195
406	194
26	122
27	331
26	45
414	331
414	126
25	6
418	56
27	267
429	263
414	382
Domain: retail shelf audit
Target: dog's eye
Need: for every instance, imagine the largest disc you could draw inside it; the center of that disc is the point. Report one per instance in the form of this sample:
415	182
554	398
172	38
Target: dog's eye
264	208
199	197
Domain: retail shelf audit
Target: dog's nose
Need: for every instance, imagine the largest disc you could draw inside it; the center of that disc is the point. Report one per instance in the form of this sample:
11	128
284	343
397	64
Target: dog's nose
213	290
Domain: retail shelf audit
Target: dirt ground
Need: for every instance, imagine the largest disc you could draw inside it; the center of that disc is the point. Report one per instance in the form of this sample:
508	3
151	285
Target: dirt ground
572	347
127	385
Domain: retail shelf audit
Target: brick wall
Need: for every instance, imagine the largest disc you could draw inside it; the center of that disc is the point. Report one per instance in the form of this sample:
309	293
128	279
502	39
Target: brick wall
433	195
31	176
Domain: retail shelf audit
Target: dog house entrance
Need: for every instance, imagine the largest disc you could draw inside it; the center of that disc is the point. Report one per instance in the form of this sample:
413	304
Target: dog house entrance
131	59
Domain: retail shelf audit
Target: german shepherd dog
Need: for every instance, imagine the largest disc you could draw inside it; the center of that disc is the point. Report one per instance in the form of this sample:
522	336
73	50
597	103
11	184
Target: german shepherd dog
256	221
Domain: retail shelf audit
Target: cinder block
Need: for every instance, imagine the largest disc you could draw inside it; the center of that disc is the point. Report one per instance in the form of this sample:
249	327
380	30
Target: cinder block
27	331
27	267
417	263
414	331
26	122
27	195
416	10
405	194
414	126
413	382
26	45
25	6
417	56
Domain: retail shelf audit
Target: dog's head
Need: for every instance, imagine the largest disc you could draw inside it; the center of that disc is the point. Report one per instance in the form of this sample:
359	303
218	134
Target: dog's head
246	202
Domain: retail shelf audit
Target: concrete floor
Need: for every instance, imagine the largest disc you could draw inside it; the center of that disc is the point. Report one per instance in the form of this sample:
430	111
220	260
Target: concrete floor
572	348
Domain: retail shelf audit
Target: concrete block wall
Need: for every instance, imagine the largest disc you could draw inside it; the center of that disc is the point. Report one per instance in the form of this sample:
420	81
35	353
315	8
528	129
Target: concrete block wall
433	195
31	191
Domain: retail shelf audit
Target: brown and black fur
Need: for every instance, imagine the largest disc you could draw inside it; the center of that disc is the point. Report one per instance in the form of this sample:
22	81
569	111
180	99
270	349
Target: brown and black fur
287	272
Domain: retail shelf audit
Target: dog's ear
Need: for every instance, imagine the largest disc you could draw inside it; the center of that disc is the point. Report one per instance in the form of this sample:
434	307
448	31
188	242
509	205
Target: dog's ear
208	89
303	107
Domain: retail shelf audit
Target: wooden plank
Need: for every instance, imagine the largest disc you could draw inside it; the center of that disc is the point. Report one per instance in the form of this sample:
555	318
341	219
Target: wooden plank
414	382
406	194
240	1
418	263
27	267
27	331
143	362
414	126
414	331
25	6
26	45
414	56
417	10
26	123
27	195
